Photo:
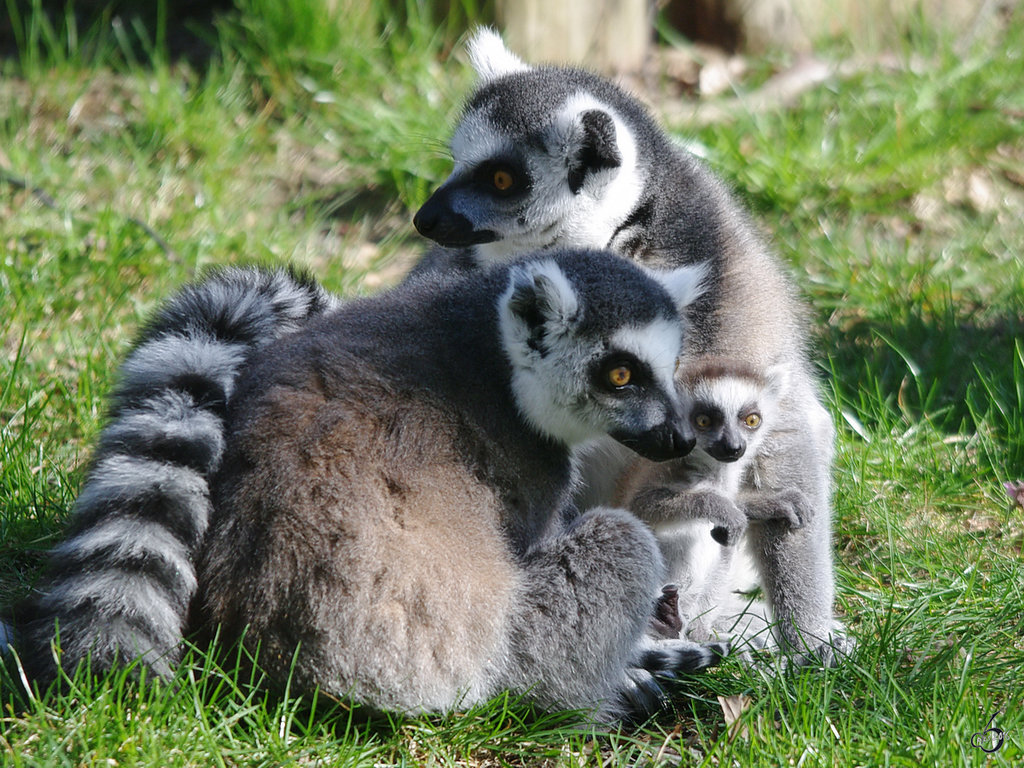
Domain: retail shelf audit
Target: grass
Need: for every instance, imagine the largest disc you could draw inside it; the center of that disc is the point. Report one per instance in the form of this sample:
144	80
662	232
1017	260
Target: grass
896	194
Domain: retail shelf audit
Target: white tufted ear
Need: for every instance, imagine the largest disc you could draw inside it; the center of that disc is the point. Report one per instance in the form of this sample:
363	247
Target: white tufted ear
685	284
778	377
489	56
539	306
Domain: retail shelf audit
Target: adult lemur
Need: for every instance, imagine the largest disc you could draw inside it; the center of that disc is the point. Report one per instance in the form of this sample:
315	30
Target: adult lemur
389	519
546	157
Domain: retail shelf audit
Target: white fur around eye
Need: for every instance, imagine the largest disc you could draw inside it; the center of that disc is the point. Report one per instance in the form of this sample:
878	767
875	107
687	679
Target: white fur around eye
658	344
476	140
733	394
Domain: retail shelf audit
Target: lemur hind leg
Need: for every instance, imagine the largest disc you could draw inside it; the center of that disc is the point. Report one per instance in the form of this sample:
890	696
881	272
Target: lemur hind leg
795	562
586	601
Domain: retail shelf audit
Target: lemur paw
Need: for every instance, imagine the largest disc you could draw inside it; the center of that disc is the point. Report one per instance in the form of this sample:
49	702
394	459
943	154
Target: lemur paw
641	695
829	654
730	523
666	621
789	506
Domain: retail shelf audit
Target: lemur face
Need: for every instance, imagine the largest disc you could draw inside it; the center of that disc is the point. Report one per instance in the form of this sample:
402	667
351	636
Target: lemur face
722	434
593	351
542	159
729	410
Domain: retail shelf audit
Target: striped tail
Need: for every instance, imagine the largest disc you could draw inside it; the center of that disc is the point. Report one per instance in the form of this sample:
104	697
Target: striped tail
118	587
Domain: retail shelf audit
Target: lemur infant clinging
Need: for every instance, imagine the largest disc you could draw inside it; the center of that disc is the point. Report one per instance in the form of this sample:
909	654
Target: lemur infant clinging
550	157
699	505
389	519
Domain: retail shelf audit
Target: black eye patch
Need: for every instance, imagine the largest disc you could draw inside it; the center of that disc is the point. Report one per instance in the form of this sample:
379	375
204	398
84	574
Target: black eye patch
706	416
620	372
502	178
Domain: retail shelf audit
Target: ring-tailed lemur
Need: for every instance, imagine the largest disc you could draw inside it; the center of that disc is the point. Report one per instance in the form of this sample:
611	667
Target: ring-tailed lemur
119	586
698	506
703	224
388	519
546	157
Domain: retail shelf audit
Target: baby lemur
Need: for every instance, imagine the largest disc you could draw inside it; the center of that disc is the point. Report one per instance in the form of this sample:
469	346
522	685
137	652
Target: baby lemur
699	506
388	520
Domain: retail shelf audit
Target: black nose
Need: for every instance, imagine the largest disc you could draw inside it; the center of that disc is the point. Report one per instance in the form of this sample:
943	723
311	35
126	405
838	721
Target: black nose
427	218
682	442
440	223
663	442
726	451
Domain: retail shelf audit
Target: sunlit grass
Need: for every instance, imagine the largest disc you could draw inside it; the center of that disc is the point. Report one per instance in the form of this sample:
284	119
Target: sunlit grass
897	195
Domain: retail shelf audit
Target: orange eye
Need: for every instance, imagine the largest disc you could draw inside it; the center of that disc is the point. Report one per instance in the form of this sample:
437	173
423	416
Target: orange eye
502	180
752	420
702	421
620	376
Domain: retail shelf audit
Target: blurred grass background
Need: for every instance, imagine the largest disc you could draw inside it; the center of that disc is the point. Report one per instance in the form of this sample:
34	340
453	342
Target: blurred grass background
139	147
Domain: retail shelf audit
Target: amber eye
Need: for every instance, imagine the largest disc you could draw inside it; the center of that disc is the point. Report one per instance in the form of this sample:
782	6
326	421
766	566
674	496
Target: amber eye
702	421
752	420
620	376
502	180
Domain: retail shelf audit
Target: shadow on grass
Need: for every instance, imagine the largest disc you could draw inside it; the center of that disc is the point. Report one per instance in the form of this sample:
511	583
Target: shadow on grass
183	28
960	373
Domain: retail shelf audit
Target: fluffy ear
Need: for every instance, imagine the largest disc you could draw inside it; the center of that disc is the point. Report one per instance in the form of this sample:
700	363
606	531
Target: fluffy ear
489	56
685	284
778	377
594	147
540	303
